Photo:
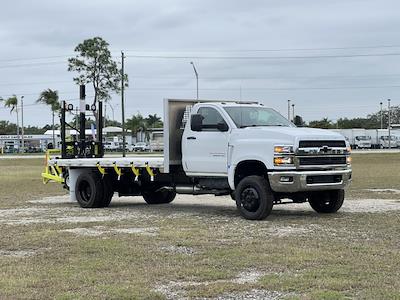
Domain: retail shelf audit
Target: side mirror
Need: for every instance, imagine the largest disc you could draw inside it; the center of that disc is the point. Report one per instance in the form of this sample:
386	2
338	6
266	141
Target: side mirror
222	126
196	122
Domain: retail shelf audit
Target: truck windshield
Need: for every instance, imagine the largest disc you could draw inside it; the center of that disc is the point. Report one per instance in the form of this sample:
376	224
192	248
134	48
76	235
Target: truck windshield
363	138
245	116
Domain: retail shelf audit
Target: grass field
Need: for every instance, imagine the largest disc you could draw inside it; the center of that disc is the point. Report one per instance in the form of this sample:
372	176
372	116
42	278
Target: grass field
198	247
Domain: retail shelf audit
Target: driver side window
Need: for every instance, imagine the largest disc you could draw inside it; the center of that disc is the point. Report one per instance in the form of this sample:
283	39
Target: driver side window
211	118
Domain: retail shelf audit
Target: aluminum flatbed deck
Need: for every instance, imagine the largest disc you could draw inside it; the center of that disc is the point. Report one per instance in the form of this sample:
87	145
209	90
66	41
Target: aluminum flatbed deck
138	161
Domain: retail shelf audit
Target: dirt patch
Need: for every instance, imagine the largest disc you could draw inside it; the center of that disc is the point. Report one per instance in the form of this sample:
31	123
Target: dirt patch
150	231
250	276
176	289
370	205
100	230
353	206
282	231
18	253
178	249
389	191
53	200
214	209
252	295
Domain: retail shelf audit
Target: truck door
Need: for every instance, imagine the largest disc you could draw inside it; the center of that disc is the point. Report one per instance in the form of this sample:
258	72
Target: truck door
206	151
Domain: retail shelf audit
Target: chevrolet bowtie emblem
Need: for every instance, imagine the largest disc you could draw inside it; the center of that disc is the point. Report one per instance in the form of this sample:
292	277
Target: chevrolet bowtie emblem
324	149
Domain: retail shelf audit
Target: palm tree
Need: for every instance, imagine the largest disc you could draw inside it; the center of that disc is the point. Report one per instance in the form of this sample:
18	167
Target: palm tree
12	103
136	124
154	121
50	98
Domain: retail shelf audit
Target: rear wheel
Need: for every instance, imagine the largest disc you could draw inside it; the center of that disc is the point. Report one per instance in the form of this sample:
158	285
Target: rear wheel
89	190
254	198
158	197
327	201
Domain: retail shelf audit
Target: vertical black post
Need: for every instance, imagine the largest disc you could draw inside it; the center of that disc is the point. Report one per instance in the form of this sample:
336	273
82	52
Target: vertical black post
62	121
100	129
82	106
122	102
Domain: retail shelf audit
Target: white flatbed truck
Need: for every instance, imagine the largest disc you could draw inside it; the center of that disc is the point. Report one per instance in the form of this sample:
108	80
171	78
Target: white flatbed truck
241	149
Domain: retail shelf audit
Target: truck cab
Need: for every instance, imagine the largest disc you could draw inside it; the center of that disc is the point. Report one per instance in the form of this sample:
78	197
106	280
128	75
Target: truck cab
386	142
363	142
234	141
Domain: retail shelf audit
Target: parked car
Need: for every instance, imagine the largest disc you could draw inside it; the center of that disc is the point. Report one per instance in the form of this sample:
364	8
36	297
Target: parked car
384	142
141	146
111	146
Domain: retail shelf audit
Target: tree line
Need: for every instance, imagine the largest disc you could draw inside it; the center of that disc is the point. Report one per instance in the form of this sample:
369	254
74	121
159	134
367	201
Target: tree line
371	121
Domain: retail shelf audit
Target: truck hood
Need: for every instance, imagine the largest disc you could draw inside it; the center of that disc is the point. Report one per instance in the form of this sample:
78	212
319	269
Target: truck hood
287	134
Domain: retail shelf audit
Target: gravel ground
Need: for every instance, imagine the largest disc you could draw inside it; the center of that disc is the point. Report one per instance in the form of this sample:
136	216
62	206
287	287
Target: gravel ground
60	209
220	211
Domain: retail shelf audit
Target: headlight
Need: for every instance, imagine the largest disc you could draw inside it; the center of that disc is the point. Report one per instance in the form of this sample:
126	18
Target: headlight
283	155
283	160
283	149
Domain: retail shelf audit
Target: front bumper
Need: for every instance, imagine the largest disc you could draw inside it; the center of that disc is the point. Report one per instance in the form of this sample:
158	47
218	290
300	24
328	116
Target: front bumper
303	181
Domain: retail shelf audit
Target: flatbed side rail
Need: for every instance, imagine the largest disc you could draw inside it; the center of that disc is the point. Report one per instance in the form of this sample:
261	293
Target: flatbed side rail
52	172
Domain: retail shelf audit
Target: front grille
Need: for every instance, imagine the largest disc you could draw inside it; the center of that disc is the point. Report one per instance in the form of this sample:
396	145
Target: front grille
319	144
322	160
324	179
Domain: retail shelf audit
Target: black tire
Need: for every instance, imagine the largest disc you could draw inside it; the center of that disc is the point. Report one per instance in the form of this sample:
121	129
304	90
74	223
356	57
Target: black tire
89	190
158	197
108	191
327	201
66	180
254	198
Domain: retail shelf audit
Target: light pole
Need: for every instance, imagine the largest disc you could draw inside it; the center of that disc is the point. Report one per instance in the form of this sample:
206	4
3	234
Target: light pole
197	80
54	136
22	123
288	110
293	113
18	137
390	138
381	116
122	103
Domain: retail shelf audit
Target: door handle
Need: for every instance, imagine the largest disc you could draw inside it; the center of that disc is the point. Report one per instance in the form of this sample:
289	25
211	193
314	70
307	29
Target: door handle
191	138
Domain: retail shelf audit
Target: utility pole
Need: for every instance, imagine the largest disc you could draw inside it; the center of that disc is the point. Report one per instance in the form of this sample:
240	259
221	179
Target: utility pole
197	80
54	138
288	110
390	137
105	114
76	122
122	103
381	116
82	120
293	113
19	150
22	121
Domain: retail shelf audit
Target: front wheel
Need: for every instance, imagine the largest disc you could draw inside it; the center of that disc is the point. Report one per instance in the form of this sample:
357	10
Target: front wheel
254	198
327	201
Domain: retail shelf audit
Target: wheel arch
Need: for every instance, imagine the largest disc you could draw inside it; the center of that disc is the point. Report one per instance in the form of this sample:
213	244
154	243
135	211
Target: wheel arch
248	167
